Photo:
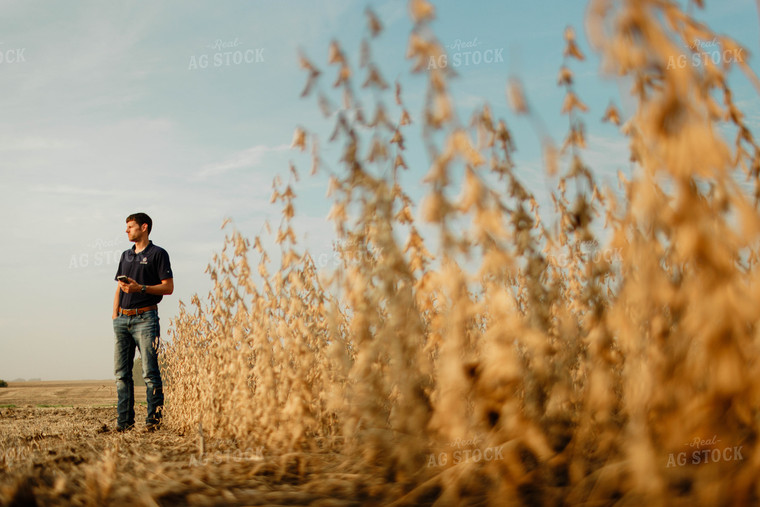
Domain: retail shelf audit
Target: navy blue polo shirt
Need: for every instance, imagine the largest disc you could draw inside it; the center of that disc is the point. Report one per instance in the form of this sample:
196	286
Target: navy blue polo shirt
148	267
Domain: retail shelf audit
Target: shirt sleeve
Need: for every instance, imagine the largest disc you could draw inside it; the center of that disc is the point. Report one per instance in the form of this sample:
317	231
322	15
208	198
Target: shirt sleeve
119	269
164	266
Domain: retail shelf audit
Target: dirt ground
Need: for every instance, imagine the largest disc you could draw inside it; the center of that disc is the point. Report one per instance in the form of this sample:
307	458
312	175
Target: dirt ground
58	447
69	393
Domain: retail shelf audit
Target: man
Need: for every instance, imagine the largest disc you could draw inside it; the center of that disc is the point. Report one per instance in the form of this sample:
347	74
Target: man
135	320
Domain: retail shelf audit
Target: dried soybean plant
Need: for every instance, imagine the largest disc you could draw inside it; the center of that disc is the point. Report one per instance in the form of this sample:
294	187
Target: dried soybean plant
685	316
513	364
251	365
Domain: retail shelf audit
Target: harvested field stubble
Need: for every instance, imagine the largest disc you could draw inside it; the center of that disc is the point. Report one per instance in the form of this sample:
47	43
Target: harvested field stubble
68	456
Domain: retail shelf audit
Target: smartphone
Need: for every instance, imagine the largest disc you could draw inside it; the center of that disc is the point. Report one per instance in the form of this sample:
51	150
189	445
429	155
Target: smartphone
123	278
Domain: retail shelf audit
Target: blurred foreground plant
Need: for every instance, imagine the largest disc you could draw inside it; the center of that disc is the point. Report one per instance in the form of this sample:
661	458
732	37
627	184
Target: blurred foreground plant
513	365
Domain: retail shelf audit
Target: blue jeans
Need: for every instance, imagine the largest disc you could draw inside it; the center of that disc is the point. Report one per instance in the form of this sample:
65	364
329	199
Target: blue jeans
141	331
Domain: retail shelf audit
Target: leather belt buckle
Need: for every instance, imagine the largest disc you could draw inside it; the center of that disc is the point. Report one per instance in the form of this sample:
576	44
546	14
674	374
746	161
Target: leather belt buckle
136	311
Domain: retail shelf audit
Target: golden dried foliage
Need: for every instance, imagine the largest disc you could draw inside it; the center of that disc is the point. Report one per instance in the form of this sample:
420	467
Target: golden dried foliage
581	372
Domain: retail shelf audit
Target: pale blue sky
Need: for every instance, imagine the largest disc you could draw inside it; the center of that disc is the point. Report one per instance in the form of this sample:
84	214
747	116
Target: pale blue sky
106	115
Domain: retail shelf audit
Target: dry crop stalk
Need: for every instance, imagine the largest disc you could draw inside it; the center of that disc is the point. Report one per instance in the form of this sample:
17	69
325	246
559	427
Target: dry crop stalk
586	373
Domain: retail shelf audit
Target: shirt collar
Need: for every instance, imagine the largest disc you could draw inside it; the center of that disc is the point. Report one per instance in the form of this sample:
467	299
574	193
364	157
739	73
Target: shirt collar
150	244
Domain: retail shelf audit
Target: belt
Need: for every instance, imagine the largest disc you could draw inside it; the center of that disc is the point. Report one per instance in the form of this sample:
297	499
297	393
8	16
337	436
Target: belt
137	311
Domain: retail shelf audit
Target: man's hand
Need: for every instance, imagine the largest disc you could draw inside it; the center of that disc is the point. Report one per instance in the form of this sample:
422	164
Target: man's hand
165	288
130	287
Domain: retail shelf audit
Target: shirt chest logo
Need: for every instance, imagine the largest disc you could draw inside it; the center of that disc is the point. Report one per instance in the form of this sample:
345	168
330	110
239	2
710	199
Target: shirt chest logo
143	260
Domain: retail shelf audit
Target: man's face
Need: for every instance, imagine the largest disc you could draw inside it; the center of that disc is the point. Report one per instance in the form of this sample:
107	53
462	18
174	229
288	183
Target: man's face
134	231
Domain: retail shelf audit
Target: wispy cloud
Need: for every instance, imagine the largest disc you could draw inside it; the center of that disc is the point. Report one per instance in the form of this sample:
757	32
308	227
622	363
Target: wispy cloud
34	144
247	158
70	190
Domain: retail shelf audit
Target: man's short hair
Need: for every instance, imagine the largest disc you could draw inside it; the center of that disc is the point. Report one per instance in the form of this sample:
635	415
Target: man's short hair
141	218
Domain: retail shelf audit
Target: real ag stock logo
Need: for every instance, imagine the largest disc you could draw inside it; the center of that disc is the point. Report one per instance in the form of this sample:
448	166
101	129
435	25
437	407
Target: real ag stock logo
704	52
13	455
11	55
460	451
226	53
703	452
99	253
466	53
236	456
